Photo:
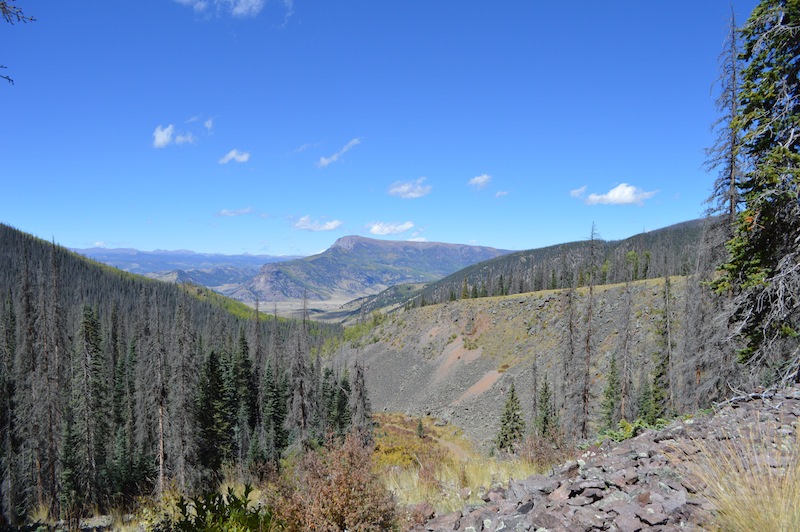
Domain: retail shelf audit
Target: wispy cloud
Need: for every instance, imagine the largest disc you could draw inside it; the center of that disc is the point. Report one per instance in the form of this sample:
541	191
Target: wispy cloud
304	147
501	193
325	161
235	155
184	138
235	212
622	194
578	192
480	181
162	136
237	8
209	125
391	228
410	189
305	223
289	5
416	236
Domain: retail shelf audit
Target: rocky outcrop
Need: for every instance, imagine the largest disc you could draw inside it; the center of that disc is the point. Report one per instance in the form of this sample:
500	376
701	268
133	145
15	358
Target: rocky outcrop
640	484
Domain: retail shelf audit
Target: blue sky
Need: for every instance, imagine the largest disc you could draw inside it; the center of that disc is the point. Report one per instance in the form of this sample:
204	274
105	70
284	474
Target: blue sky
277	126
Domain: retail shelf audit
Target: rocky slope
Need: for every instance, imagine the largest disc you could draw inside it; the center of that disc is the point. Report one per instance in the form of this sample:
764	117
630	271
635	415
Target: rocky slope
644	483
456	361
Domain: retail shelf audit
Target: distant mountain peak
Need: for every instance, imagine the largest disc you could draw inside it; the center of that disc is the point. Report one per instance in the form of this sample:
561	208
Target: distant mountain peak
348	242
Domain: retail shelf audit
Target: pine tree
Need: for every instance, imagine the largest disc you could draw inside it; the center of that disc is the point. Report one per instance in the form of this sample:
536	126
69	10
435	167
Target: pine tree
512	426
8	443
214	425
299	416
183	381
647	406
764	265
90	408
612	396
360	409
545	421
726	154
343	414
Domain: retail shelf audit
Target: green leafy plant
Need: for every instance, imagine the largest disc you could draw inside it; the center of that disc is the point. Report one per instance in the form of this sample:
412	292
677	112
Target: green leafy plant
214	512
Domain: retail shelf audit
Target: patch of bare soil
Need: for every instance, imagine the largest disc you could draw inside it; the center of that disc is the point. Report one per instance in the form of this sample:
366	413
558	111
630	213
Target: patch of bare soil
483	385
452	354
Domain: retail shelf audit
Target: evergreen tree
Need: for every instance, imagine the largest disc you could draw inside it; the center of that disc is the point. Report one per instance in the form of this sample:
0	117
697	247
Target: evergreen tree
299	417
512	426
726	154
71	490
545	421
360	409
764	265
90	409
647	407
343	414
612	396
8	442
183	382
213	422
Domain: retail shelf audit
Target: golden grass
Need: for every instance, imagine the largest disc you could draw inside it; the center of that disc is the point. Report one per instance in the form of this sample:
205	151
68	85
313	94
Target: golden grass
440	469
753	482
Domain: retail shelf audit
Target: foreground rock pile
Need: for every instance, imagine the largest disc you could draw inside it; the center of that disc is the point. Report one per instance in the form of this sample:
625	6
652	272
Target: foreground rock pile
641	484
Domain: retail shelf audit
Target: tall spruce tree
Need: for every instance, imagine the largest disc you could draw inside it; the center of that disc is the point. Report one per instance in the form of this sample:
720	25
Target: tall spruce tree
360	408
764	265
512	426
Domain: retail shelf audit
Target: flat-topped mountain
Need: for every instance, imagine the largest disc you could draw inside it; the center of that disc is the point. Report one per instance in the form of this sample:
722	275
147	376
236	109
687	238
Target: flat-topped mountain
355	266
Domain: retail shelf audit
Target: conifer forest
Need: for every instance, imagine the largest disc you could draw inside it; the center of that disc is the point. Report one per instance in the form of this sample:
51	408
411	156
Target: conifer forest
117	390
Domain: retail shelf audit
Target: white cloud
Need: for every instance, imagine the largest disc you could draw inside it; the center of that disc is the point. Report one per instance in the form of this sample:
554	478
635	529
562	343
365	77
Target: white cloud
237	8
197	5
245	8
235	155
578	192
209	124
392	228
410	189
480	181
235	212
289	5
325	161
306	224
162	136
501	193
184	138
417	239
99	244
622	194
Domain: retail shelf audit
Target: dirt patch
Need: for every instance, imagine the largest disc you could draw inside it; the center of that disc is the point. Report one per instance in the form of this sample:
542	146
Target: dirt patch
486	382
477	325
452	354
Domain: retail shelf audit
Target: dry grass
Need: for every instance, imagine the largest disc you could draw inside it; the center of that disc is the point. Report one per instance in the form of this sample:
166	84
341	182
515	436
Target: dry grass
752	479
440	469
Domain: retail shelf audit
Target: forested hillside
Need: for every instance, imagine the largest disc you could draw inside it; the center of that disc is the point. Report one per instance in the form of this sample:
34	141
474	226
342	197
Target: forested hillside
672	250
113	385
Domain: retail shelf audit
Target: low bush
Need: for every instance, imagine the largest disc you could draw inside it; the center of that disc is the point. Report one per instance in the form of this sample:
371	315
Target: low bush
214	512
335	489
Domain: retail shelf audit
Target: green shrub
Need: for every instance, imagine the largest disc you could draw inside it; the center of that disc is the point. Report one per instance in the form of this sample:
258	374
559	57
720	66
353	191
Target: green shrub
214	512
